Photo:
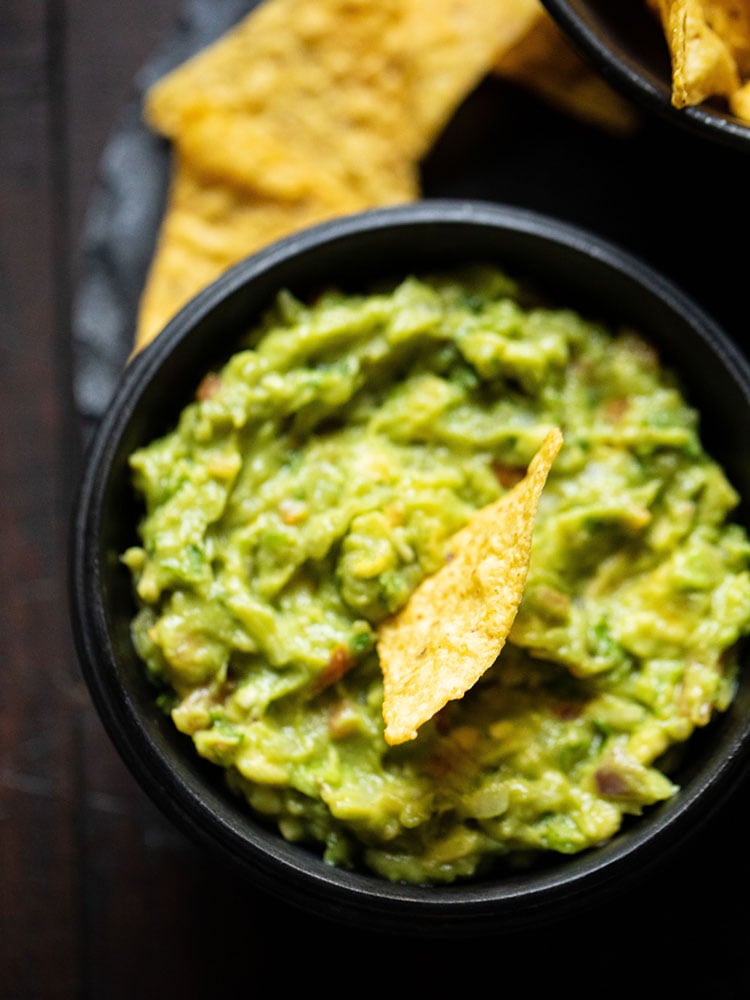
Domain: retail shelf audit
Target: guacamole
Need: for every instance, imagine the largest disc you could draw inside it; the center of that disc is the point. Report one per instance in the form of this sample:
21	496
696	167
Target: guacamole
317	478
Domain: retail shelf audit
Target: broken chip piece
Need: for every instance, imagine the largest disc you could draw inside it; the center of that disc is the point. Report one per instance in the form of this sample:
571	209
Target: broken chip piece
709	48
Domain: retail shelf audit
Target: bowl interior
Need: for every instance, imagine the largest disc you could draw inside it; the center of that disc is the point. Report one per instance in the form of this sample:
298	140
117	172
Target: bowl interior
573	268
626	43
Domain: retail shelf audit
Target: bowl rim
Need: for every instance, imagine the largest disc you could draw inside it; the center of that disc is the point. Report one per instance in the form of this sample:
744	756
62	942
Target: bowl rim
579	22
469	908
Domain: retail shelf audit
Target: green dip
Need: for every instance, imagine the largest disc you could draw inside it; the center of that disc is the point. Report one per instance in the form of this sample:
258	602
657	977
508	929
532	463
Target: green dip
314	482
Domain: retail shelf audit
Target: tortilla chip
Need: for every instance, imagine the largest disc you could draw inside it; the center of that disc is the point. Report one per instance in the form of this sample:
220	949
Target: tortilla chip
730	20
295	83
456	622
543	61
703	65
353	85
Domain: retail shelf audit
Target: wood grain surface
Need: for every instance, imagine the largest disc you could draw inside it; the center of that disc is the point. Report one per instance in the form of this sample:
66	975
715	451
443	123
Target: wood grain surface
100	897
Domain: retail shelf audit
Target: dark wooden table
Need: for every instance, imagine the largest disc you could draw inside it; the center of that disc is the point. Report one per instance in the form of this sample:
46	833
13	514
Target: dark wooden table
100	897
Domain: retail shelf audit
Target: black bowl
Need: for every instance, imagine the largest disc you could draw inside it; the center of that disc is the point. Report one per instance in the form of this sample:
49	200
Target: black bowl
625	42
581	271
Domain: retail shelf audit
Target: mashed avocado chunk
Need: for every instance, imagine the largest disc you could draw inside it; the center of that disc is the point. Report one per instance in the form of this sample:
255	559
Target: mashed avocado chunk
317	478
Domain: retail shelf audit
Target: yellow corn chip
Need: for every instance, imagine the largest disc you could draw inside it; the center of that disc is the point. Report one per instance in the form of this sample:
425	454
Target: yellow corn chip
294	83
353	85
703	65
456	622
730	20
